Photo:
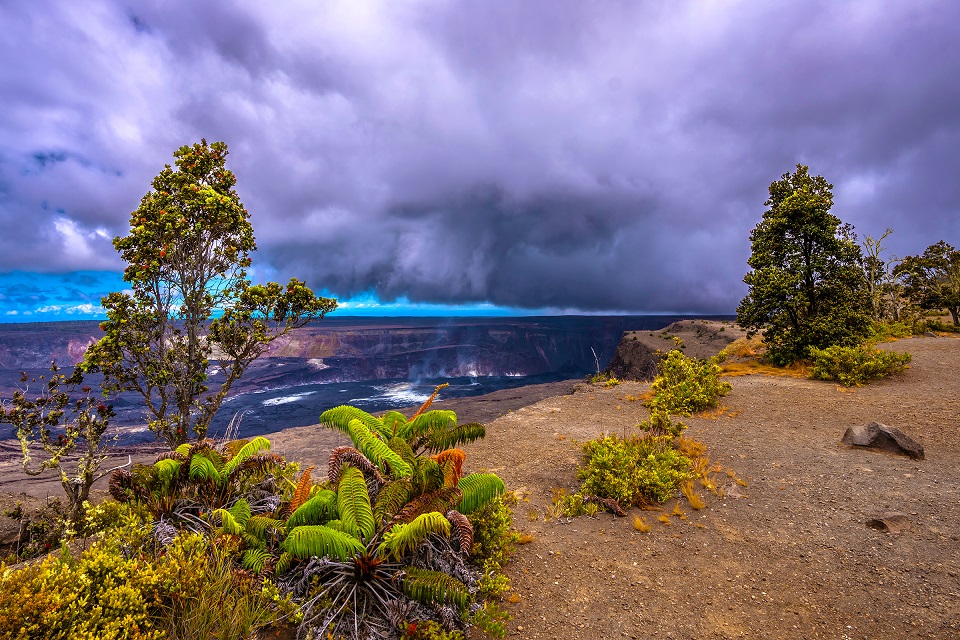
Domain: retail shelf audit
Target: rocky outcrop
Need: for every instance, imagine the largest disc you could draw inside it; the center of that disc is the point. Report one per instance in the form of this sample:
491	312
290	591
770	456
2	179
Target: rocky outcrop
885	438
639	352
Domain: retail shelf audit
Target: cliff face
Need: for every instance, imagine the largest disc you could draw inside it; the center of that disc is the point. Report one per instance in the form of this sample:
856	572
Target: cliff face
639	352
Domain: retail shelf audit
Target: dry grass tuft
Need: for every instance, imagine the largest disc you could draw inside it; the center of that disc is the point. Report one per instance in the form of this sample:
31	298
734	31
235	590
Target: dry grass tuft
513	598
524	538
752	367
641	524
694	498
746	347
665	519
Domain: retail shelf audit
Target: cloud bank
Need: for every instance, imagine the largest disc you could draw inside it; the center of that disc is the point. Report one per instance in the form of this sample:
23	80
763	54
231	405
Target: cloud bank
544	154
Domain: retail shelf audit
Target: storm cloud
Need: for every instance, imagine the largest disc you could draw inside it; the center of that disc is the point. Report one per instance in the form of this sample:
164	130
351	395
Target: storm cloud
569	155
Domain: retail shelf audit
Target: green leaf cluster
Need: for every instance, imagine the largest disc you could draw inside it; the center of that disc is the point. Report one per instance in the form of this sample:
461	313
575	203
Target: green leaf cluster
853	366
685	385
633	471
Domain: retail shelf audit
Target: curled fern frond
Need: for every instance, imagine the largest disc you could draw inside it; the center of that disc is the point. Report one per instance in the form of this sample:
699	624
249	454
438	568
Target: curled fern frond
316	510
342	455
478	489
392	497
402	538
433	587
228	523
461	530
451	461
251	448
318	540
119	484
255	559
377	450
339	418
353	504
302	492
392	421
441	500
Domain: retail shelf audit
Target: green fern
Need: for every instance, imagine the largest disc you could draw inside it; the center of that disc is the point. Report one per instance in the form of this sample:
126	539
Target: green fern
377	450
436	420
440	500
251	448
353	504
428	475
402	448
401	538
478	489
260	525
434	587
184	449
167	470
339	418
241	511
319	540
437	440
392	497
393	421
228	523
283	563
202	469
255	559
316	510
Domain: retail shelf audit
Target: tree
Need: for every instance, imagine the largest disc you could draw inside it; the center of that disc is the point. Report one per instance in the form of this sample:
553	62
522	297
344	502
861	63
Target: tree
932	280
807	285
191	301
51	421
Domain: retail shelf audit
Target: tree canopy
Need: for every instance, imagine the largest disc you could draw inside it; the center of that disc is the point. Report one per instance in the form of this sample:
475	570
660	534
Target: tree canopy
806	284
190	301
932	280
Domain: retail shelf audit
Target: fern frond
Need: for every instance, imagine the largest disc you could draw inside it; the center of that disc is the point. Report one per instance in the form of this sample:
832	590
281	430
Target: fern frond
318	540
433	396
228	523
451	461
461	530
339	418
402	538
393	420
426	422
302	492
402	448
240	511
478	489
255	559
202	469
260	525
316	510
167	470
441	500
336	525
342	455
231	448
428	476
433	587
353	504
251	448
283	563
171	455
184	449
392	497
456	435
377	450
261	462
120	482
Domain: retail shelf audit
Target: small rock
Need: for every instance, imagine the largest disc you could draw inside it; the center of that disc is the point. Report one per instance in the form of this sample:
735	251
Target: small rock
929	334
883	437
891	522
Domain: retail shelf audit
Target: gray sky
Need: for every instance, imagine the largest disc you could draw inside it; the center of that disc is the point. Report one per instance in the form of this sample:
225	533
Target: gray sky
592	156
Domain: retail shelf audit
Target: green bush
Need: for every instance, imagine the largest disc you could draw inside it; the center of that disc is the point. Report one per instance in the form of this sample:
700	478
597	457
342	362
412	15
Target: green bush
882	331
635	471
852	366
685	385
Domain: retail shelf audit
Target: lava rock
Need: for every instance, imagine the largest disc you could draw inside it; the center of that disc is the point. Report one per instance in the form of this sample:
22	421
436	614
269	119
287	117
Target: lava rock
885	438
892	522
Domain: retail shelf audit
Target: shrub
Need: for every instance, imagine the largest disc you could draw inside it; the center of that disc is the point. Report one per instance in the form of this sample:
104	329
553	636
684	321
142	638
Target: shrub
852	366
635	471
883	331
685	385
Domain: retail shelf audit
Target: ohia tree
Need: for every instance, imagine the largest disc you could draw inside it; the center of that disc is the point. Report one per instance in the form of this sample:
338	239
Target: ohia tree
190	301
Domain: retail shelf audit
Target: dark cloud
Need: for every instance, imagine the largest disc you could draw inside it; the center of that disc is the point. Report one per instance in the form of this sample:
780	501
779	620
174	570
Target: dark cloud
571	154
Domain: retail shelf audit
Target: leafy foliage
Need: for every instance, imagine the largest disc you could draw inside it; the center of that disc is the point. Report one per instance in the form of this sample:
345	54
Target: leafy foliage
806	284
932	280
187	254
852	366
686	385
478	489
633	471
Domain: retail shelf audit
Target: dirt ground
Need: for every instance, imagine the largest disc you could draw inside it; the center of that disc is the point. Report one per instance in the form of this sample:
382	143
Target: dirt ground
788	556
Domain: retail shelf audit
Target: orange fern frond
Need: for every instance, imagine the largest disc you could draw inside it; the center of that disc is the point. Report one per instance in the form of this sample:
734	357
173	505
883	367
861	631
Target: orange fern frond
302	493
426	405
451	461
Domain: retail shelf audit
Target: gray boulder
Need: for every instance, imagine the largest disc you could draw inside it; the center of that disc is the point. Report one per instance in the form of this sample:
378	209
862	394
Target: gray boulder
885	438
